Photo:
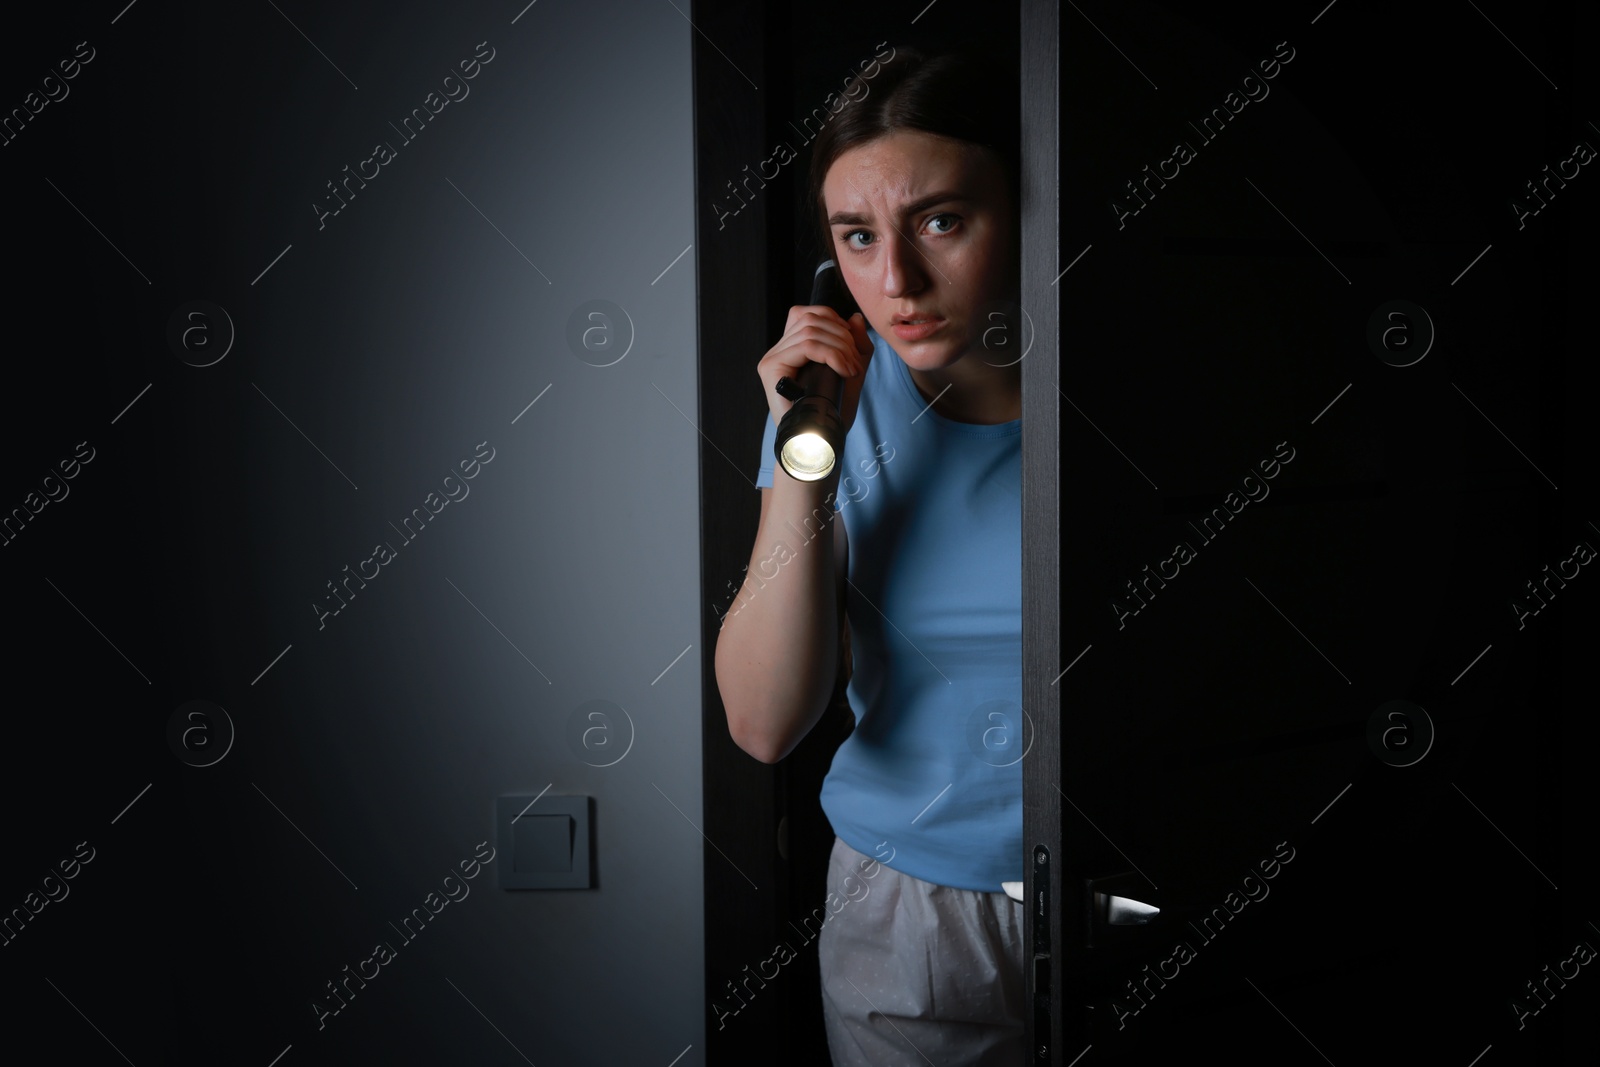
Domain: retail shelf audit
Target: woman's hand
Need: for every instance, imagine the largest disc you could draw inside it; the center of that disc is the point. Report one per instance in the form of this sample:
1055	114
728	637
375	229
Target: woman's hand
816	334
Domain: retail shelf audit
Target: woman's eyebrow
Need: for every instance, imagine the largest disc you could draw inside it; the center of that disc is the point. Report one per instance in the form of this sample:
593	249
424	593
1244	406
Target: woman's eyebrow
850	218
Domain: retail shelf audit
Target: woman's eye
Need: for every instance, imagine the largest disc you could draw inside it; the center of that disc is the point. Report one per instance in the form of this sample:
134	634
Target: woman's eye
950	220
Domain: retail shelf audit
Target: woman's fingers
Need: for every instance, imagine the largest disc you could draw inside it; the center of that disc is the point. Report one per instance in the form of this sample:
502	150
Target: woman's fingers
816	334
818	339
825	322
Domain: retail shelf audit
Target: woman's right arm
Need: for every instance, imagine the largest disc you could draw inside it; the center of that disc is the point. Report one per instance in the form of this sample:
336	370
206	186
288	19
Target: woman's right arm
777	654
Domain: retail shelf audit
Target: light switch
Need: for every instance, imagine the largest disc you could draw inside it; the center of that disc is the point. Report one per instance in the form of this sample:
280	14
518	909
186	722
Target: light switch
541	844
544	841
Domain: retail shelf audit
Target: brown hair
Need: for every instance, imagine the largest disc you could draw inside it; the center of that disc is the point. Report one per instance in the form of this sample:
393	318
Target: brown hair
948	93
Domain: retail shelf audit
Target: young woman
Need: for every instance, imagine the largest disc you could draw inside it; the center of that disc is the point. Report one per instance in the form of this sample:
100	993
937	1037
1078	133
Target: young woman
917	193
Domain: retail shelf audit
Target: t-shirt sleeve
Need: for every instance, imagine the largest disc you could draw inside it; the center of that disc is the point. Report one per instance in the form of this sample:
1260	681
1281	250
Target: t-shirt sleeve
769	438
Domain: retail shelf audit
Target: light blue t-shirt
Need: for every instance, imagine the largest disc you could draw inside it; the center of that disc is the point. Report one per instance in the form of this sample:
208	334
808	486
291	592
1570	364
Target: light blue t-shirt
930	779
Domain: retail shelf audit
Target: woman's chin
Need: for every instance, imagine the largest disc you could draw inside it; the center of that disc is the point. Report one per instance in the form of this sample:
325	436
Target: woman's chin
934	353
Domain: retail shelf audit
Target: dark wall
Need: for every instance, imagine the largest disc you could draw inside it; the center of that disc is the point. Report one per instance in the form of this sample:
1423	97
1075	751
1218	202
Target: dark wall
437	317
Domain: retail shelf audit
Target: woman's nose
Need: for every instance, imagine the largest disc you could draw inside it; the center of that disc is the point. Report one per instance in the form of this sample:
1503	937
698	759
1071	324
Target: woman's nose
902	267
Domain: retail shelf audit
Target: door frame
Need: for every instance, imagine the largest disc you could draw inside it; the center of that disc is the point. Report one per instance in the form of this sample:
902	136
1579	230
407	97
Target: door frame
1050	894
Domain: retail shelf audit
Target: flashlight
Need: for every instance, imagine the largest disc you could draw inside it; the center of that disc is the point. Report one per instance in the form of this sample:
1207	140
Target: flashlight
811	435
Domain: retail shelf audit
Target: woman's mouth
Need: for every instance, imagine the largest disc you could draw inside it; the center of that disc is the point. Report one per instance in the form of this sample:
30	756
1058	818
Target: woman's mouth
918	329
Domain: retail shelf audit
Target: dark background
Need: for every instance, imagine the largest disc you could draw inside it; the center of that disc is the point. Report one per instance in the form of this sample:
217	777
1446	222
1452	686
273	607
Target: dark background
1232	713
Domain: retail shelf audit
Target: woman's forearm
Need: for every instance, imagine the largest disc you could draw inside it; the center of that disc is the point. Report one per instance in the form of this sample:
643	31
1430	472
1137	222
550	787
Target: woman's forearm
777	653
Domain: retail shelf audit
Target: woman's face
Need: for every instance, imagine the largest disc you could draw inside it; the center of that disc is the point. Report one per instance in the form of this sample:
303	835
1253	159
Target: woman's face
923	228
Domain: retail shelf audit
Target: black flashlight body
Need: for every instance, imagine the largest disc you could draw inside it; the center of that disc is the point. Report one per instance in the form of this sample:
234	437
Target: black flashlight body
819	379
816	389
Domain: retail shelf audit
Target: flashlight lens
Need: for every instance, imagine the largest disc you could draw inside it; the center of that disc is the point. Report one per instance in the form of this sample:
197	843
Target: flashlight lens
807	457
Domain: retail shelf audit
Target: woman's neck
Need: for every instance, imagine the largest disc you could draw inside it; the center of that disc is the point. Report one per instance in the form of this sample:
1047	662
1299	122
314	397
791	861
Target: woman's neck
971	390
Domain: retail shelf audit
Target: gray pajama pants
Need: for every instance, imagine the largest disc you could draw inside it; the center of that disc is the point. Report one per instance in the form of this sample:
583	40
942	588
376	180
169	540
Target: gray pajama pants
915	973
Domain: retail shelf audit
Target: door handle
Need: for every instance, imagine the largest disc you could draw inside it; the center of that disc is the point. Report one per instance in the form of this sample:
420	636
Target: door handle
1111	903
1115	910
